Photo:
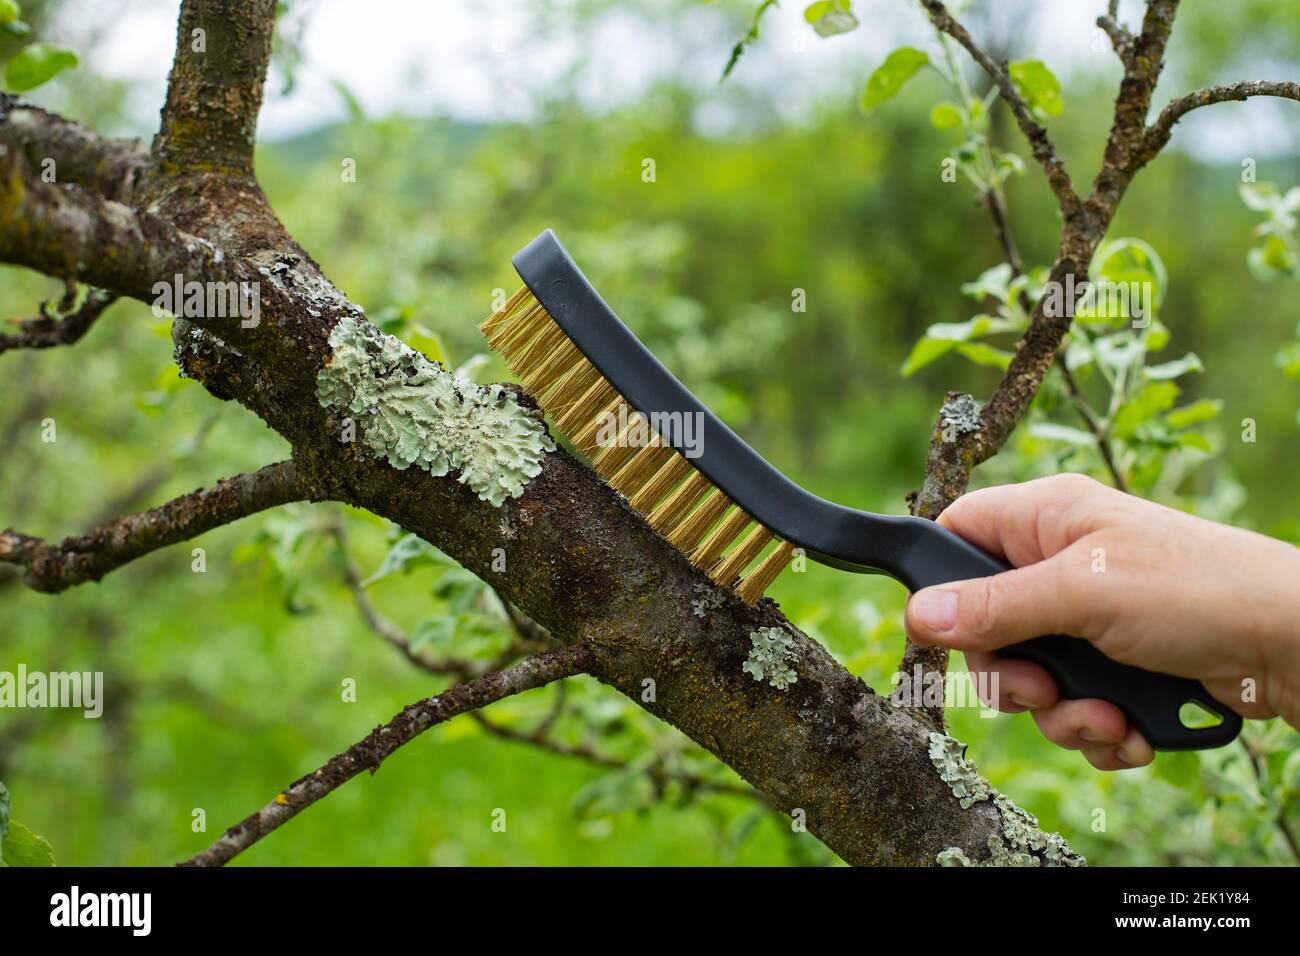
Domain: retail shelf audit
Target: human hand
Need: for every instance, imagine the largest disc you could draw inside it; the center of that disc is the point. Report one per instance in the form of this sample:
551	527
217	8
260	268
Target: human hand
1148	585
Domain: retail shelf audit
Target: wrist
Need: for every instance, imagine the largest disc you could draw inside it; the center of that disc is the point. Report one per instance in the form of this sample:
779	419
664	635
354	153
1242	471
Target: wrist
1280	643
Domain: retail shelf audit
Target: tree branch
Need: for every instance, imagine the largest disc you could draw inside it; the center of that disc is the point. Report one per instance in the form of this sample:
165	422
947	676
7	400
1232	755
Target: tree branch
48	330
214	93
1157	135
1040	144
392	635
581	564
109	167
1120	38
996	206
69	233
1093	423
88	557
379	744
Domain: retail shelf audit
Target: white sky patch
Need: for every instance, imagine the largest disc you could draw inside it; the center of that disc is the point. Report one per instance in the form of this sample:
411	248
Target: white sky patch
492	60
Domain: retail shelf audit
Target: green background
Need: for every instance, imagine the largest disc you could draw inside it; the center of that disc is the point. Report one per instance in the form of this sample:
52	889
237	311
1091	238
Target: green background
225	686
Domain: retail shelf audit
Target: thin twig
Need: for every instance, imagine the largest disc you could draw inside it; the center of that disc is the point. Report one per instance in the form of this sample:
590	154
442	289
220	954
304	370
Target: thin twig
370	752
592	756
1261	775
386	629
88	557
1040	144
1092	421
1158	133
47	330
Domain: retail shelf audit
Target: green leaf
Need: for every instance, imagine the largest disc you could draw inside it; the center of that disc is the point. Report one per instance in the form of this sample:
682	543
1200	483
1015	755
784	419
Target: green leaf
1261	197
356	113
408	552
1053	432
945	115
1195	440
994	282
750	36
983	354
1201	410
1155	336
1288	359
925	351
1276	257
435	632
1152	399
37	64
890	76
942	337
1190	362
1120	350
1011	164
831	17
22	847
1127	260
9	12
1038	85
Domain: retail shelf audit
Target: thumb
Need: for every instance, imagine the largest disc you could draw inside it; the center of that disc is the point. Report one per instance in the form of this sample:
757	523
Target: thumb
984	614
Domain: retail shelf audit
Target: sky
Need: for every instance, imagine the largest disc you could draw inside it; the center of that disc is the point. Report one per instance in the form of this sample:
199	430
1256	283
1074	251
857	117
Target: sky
492	59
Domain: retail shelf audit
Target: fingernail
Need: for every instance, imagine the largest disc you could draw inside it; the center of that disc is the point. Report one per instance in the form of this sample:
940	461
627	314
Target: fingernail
1135	755
1021	702
935	609
1092	737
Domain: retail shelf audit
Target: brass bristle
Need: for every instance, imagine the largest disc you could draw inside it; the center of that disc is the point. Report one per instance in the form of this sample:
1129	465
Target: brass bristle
680	502
691	529
728	570
683	499
598	395
552	368
537	350
660	484
641	467
610	458
753	584
727	531
564	391
584	439
496	318
510	335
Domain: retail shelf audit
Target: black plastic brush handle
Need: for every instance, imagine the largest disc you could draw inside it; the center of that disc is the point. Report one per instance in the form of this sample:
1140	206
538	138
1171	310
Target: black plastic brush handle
917	552
1150	701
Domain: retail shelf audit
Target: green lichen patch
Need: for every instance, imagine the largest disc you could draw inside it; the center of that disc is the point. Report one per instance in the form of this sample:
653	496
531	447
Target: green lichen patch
411	411
949	757
1021	842
770	656
953	856
961	412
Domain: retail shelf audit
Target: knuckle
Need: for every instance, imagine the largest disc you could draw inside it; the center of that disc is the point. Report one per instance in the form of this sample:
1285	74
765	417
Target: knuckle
1073	484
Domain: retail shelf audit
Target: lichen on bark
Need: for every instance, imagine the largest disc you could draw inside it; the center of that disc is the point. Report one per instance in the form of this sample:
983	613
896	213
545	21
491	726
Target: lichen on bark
770	656
1021	842
411	411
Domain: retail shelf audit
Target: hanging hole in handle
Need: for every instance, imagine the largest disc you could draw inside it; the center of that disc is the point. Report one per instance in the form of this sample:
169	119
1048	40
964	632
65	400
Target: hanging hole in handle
1196	716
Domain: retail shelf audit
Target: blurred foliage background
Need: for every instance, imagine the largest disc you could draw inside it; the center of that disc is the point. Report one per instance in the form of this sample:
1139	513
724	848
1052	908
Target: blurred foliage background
224	686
